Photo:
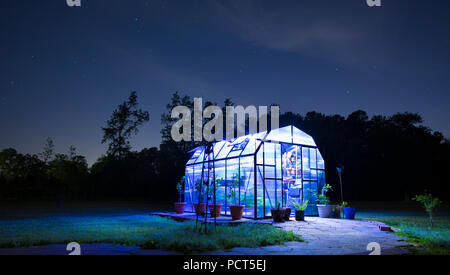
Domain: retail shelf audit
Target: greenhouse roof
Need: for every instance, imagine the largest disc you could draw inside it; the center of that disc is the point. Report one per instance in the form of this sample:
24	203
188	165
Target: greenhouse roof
247	145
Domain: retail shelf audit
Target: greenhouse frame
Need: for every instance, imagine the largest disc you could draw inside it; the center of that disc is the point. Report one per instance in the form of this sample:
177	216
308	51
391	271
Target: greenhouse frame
259	171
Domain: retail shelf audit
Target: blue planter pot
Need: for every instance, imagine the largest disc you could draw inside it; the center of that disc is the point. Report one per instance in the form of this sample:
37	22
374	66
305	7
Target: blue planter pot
349	213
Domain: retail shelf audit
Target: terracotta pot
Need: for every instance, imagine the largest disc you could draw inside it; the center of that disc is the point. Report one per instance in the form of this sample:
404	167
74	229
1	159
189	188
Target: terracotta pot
277	214
179	207
236	212
200	209
215	209
287	213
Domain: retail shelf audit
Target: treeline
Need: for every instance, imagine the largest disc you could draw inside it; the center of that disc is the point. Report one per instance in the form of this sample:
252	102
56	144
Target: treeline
384	158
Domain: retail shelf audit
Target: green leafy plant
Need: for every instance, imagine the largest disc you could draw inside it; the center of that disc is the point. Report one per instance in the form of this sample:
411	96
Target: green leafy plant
429	203
200	190
278	205
323	198
232	194
300	207
180	187
211	188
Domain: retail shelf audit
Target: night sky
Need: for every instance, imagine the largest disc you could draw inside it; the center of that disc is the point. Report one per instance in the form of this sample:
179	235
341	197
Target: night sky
63	70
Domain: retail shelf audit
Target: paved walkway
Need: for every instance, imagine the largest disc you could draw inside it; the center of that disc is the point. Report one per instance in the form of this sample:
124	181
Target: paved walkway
323	237
331	237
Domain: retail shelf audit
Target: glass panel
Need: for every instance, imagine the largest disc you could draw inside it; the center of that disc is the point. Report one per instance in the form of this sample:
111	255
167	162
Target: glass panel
225	150
232	181
201	157
269	153
260	155
196	178
270	196
273	194
278	160
234	153
188	188
269	172
300	137
310	189
313	157
251	146
313	174
218	146
219	168
259	193
261	135
320	161
306	166
239	140
247	186
195	155
281	134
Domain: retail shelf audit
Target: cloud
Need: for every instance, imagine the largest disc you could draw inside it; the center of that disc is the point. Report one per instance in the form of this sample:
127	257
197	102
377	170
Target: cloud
327	31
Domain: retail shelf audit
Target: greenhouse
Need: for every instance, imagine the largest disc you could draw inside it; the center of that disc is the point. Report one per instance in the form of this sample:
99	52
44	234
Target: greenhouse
258	171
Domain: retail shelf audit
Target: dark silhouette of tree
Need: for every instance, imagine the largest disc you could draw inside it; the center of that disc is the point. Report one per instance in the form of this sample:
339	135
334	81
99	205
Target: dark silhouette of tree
385	158
49	151
70	173
124	121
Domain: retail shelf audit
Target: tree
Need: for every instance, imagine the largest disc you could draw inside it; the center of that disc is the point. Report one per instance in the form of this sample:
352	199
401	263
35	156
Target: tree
49	151
72	152
429	203
69	172
124	121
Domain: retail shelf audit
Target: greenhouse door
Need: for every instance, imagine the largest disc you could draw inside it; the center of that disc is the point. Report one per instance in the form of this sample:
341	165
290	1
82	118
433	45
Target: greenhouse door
292	175
269	178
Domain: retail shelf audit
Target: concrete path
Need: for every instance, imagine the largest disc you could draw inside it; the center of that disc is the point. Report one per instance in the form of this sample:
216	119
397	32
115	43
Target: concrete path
330	237
322	236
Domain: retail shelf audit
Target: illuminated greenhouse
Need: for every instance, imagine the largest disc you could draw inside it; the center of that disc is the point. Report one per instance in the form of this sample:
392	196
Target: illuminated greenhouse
258	171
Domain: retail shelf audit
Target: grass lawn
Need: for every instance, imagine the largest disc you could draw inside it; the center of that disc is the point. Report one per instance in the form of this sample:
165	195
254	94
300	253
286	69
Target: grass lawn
434	241
147	232
413	223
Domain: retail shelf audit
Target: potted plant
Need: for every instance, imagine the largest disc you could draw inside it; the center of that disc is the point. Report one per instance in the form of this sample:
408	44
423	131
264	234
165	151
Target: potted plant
180	205
214	208
287	213
236	209
277	213
200	206
349	212
336	211
300	210
324	206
